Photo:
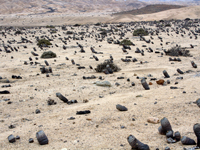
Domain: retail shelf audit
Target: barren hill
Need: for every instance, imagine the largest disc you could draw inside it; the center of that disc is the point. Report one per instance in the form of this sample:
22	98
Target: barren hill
66	6
149	9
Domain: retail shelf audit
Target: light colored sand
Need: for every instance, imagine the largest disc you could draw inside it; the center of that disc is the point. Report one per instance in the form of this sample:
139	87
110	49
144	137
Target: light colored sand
103	130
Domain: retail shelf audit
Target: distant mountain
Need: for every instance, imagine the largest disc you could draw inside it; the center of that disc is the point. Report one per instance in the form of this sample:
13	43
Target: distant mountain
73	7
184	2
149	9
66	6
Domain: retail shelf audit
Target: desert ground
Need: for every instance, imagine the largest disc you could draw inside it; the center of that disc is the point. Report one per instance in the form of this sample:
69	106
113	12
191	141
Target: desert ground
105	127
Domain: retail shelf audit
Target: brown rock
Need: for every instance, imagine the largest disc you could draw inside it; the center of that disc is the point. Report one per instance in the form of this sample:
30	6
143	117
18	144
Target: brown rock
160	82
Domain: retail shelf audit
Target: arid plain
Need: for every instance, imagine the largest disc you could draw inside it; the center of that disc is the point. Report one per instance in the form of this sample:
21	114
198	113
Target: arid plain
105	127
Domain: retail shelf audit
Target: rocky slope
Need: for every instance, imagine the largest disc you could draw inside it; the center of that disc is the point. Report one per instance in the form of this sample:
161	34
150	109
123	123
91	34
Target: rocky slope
66	6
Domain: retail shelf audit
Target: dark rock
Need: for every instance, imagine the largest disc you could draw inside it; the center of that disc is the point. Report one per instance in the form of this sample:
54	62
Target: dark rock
11	138
4	92
165	124
136	144
133	84
51	102
5	86
72	102
168	82
121	108
170	140
169	134
117	84
30	140
46	62
81	67
187	141
61	97
144	84
179	78
173	87
17	137
166	74
42	138
37	111
179	71
9	102
167	148
193	64
71	118
196	129
177	136
11	126
34	54
83	112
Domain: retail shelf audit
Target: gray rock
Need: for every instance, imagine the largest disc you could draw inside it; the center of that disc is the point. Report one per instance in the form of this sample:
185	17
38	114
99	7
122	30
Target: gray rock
121	108
11	138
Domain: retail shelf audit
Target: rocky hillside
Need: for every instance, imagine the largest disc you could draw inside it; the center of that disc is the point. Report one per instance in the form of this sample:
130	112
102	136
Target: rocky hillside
66	6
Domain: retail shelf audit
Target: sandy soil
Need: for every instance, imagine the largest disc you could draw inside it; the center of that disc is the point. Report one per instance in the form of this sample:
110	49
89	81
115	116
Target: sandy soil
102	128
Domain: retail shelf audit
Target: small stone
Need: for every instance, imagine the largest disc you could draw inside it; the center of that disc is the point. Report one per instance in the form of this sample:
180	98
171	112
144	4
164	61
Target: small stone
37	111
160	82
179	78
153	120
184	91
101	96
121	108
11	126
138	95
173	87
85	101
30	140
51	102
176	83
83	112
11	138
4	92
133	84
122	127
133	119
117	84
103	83
9	102
128	79
167	148
17	137
120	77
170	140
168	82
